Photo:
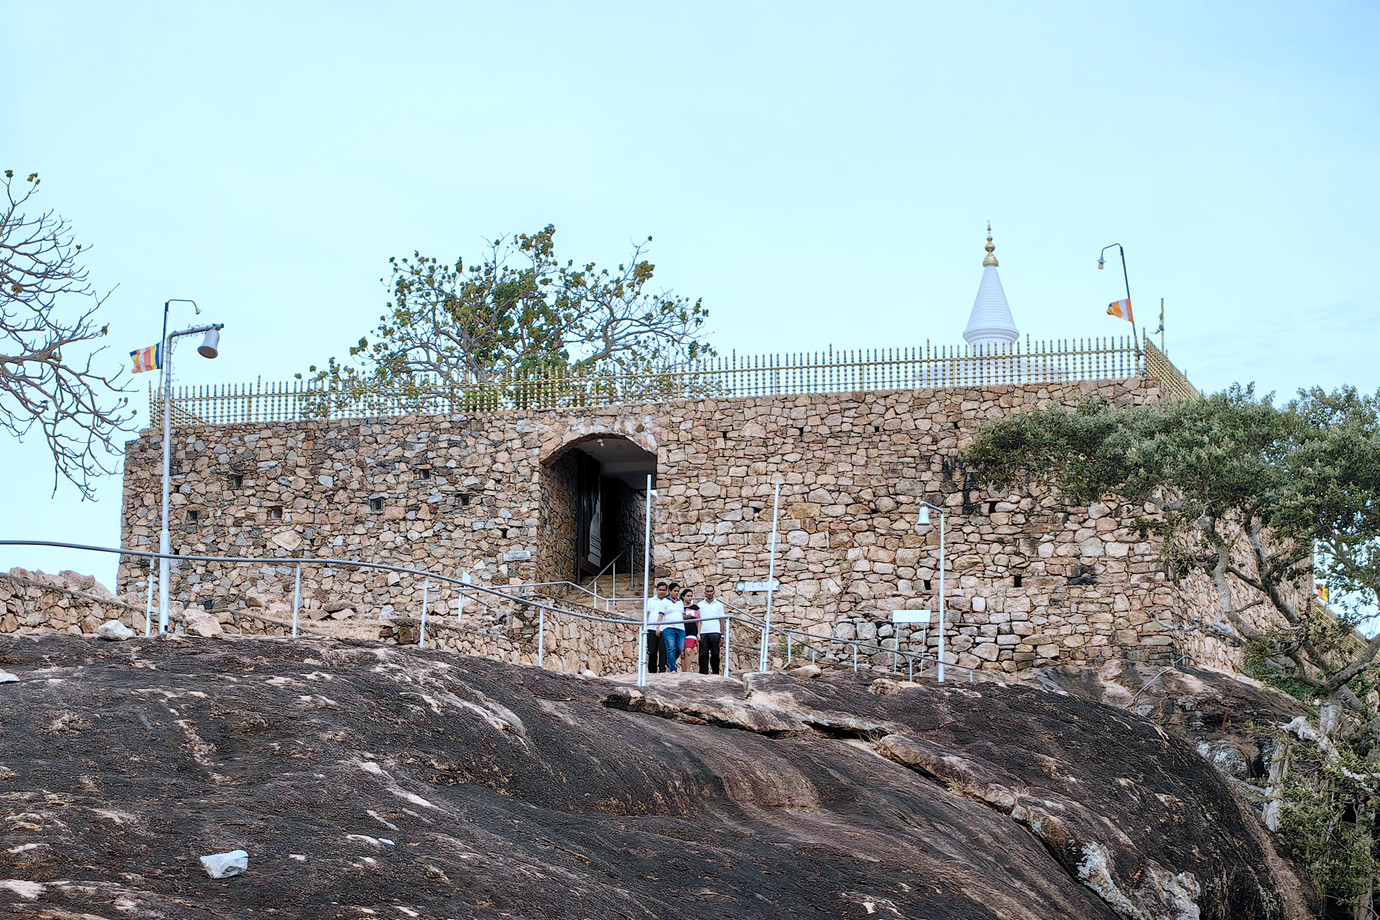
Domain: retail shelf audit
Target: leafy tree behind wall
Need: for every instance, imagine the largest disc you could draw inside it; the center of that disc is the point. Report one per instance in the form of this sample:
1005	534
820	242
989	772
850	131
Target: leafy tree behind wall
518	310
50	379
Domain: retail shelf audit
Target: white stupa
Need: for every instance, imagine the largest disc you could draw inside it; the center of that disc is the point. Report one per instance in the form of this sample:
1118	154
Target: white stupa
993	354
990	323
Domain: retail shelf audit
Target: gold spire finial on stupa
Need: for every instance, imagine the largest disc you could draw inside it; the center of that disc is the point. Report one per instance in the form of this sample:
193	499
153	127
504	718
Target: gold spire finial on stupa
991	259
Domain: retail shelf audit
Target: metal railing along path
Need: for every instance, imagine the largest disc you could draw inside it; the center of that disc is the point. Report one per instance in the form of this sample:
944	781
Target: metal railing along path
459	583
896	653
741	616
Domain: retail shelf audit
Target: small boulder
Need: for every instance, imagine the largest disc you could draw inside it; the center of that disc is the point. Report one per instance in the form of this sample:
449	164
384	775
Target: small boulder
202	625
885	686
224	865
806	670
114	631
336	606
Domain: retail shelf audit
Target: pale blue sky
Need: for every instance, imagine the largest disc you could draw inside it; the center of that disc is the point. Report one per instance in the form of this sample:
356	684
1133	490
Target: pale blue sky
818	173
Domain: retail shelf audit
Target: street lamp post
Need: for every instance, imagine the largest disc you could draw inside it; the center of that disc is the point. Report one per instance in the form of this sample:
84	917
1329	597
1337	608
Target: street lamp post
646	587
924	521
1101	260
208	349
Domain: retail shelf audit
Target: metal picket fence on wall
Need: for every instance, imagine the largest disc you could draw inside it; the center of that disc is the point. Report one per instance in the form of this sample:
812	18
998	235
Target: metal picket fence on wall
733	376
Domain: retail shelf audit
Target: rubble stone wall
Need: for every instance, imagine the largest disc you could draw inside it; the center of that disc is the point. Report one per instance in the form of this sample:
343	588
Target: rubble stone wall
1029	581
68	602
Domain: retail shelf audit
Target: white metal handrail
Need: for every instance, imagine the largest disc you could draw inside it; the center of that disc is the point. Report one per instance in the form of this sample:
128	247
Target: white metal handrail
742	616
911	657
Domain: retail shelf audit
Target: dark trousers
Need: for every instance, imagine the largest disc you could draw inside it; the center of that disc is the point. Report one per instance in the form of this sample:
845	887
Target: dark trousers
656	653
709	652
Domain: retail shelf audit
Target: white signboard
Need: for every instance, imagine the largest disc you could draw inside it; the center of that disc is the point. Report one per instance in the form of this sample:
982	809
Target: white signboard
518	555
757	587
910	616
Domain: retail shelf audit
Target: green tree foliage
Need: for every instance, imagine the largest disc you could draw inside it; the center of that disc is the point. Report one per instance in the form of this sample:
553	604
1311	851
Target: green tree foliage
1242	491
1328	817
49	378
515	313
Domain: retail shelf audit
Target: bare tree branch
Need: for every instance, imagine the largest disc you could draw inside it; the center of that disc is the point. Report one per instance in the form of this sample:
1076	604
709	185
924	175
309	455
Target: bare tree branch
49	380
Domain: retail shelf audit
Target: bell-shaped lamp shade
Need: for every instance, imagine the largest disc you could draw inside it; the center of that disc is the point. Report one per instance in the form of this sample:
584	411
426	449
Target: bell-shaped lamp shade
924	515
210	347
1099	262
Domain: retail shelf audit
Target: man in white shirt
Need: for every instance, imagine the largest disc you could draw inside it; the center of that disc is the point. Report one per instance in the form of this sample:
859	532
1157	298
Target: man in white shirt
711	631
652	614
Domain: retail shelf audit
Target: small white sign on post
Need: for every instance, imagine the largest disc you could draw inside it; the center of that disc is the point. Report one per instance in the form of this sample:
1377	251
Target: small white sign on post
757	587
910	616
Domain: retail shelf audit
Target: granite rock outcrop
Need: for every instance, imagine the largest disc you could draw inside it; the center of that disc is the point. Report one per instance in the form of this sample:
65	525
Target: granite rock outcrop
367	780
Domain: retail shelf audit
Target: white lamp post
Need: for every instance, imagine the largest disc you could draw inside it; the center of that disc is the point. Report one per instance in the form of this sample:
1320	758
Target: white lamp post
209	348
646	586
924	521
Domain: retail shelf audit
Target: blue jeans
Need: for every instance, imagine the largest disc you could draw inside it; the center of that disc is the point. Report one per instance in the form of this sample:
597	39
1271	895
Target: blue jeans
674	637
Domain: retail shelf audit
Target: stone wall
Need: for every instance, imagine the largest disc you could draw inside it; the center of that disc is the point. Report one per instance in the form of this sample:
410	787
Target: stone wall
1029	581
68	602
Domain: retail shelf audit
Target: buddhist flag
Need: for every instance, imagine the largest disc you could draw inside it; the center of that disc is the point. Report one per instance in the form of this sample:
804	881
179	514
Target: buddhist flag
147	359
1121	309
1323	593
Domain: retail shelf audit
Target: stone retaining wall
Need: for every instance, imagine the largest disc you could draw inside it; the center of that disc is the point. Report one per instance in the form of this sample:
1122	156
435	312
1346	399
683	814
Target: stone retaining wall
68	602
1030	581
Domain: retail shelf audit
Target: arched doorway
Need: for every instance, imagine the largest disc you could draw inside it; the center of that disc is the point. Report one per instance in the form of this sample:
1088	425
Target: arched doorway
595	506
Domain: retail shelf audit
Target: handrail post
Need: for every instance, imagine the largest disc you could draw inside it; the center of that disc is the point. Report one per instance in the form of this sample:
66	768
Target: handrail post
460	598
541	637
855	657
148	608
727	650
296	598
764	662
421	633
941	595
